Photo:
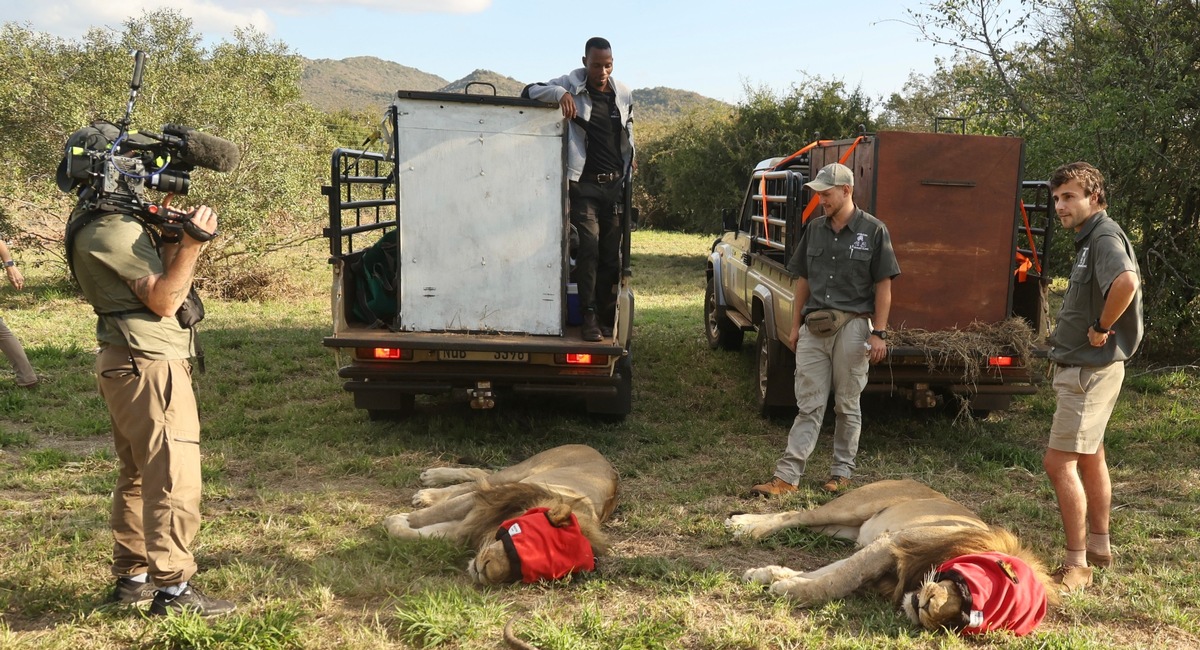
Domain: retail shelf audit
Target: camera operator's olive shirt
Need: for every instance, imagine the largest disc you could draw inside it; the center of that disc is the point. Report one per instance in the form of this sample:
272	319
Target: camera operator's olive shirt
111	252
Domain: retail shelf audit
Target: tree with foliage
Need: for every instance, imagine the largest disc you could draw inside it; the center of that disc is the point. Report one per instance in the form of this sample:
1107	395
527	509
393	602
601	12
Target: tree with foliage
700	163
962	88
246	91
1113	82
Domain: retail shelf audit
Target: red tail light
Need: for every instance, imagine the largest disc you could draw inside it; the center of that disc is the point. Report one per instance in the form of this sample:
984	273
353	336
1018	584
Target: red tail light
582	359
1001	362
384	354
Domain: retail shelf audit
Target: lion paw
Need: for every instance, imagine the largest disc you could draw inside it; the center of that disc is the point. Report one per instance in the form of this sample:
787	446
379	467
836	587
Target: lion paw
768	574
747	524
397	526
425	498
796	588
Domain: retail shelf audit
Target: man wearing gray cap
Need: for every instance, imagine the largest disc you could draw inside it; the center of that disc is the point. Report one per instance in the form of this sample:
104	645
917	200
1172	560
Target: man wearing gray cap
843	265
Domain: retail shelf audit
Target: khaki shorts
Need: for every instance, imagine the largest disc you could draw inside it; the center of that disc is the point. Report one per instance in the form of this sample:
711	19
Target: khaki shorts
1086	397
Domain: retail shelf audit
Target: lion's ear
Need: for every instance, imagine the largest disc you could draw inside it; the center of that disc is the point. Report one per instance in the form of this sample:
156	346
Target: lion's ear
559	515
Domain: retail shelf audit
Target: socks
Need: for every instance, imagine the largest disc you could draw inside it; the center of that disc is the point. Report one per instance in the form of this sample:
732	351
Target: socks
1098	544
174	590
141	577
1075	558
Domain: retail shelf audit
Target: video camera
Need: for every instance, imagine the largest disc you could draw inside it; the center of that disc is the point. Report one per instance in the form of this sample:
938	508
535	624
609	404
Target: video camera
110	166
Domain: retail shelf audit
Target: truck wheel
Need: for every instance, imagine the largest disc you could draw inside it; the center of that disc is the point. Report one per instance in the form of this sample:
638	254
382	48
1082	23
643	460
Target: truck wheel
776	388
718	329
404	406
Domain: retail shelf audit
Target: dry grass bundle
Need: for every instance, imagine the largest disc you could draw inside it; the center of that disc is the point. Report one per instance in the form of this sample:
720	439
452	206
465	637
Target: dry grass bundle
969	348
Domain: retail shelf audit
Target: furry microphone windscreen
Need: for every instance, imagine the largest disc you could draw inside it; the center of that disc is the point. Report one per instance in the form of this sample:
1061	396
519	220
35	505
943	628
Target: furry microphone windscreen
209	151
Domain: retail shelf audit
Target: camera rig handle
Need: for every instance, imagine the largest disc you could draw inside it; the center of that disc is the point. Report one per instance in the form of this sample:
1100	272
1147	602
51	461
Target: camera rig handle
171	222
135	84
139	59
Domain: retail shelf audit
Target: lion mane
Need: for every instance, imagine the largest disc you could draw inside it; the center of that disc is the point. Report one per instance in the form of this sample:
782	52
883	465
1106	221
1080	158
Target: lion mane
495	504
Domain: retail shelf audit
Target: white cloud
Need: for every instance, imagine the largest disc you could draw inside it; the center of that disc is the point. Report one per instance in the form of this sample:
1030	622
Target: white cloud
71	18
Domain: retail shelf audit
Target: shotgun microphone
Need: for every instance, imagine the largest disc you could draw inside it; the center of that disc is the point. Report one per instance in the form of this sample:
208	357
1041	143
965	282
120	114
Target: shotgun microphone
199	149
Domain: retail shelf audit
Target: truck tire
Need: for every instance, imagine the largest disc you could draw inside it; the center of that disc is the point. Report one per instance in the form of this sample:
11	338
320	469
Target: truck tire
776	372
718	329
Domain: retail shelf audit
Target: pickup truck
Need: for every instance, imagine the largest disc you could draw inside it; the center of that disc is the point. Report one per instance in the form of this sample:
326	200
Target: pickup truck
470	195
970	236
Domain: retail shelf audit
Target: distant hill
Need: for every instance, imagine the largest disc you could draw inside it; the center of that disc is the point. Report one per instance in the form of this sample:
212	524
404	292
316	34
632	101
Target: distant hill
360	82
368	83
661	102
505	86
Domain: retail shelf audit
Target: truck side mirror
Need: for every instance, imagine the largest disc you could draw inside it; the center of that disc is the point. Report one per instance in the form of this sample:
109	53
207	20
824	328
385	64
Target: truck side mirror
729	218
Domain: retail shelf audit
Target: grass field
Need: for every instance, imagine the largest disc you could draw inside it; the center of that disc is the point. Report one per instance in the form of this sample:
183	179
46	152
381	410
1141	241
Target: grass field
297	484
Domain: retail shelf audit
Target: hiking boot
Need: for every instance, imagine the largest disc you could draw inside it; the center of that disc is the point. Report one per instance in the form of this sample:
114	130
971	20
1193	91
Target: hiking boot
773	488
189	600
836	484
606	330
131	592
1072	578
590	330
1099	560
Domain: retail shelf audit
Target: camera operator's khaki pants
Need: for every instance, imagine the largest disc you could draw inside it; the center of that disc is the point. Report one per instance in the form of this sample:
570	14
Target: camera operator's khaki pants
156	431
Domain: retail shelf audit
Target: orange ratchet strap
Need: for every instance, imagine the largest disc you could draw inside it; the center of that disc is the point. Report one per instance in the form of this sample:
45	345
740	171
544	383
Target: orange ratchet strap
812	203
1032	247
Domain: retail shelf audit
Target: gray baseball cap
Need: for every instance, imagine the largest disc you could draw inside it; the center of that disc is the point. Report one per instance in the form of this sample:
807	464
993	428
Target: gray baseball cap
831	175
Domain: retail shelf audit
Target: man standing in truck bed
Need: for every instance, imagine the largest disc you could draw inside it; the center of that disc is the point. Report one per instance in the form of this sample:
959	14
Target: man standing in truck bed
844	265
599	151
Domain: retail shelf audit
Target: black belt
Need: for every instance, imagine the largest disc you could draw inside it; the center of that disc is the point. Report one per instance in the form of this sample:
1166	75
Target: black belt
600	178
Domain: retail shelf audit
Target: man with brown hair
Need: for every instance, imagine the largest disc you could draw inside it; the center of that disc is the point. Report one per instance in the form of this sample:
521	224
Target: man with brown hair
1099	327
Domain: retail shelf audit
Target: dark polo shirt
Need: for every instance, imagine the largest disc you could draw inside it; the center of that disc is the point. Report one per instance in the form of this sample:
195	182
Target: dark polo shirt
1102	252
842	268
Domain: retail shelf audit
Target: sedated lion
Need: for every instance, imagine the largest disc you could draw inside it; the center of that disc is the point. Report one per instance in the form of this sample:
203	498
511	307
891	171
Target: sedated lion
538	519
933	557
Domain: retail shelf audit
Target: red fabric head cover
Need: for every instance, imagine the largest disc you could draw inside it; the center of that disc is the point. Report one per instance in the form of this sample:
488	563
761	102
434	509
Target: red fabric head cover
1005	593
543	551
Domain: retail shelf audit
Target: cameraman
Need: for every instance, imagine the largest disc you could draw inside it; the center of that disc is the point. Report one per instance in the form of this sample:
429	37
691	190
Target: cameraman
136	284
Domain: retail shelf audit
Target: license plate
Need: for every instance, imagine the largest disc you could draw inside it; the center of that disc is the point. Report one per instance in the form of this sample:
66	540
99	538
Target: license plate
473	355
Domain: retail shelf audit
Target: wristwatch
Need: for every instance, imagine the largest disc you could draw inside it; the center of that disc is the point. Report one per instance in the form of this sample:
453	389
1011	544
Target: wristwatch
882	334
1099	329
10	263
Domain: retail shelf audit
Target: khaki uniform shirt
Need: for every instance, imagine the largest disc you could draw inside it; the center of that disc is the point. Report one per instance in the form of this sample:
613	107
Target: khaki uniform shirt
109	253
1102	252
843	268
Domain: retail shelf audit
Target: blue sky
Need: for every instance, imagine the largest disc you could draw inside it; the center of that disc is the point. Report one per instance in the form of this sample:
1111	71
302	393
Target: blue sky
713	47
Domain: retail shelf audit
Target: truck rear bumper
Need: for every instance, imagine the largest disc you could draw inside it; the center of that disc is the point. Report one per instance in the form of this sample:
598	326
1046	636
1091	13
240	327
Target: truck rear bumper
386	389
